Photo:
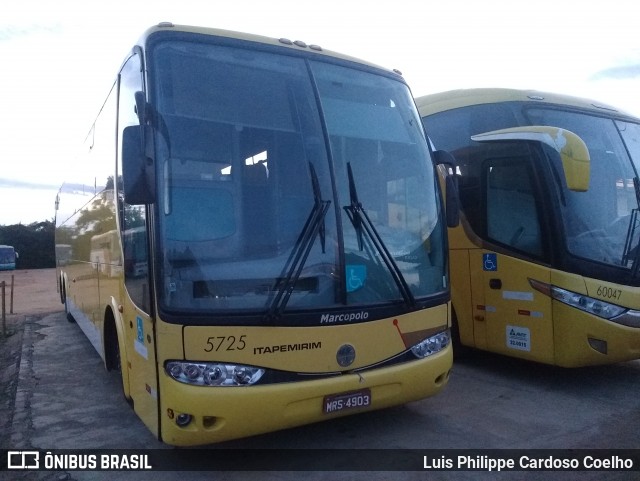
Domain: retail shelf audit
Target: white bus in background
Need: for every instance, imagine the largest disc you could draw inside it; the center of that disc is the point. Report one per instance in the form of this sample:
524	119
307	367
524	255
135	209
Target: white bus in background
8	258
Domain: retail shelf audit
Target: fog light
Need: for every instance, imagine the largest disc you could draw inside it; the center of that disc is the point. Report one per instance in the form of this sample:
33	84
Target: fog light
183	419
209	421
598	344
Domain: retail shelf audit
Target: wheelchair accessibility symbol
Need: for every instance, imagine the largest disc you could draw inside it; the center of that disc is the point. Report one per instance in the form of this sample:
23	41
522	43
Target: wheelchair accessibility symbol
356	276
489	262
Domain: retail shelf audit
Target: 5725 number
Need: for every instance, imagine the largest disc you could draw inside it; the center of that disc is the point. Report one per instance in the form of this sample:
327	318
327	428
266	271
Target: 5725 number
225	343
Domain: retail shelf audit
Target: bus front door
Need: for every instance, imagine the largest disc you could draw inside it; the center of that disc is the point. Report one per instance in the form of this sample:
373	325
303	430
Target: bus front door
516	320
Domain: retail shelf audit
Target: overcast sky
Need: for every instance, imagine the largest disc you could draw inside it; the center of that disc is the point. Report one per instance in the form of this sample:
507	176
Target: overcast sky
59	58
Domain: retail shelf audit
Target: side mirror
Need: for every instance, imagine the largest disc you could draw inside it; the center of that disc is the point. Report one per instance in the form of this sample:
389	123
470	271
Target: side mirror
574	153
452	205
141	107
444	157
137	167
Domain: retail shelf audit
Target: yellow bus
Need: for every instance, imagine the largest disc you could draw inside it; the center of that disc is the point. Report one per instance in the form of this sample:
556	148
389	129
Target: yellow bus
544	263
280	256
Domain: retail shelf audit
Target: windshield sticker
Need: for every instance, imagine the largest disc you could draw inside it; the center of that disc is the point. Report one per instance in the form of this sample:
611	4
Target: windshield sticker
356	276
518	338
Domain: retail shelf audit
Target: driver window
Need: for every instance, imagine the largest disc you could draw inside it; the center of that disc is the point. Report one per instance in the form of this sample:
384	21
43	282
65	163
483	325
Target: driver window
511	210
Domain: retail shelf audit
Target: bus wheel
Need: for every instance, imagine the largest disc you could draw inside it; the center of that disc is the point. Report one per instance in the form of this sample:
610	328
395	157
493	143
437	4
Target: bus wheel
460	351
61	289
66	308
113	356
113	360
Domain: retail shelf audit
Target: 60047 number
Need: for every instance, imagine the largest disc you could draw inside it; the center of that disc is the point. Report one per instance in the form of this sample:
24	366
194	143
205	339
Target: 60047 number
608	292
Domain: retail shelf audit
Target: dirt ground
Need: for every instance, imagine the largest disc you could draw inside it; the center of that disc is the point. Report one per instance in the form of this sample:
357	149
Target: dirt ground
34	292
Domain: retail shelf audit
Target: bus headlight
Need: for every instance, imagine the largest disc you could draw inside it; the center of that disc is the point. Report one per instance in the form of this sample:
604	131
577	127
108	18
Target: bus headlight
432	345
597	307
213	374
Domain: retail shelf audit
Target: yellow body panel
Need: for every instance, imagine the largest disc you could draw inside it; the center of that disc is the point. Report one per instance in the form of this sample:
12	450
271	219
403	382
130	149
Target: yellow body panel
573	329
222	413
557	334
141	364
518	319
312	349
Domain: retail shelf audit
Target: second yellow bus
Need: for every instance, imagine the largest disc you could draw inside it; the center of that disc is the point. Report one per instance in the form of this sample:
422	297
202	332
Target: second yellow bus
545	263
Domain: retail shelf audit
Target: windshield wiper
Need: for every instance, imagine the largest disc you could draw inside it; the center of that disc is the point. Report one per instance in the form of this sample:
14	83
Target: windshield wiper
363	225
314	226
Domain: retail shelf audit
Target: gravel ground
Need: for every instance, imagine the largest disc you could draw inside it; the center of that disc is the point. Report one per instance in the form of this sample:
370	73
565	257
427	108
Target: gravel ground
31	292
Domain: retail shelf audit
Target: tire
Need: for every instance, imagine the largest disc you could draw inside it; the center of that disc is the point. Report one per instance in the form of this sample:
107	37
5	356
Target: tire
460	351
114	359
117	360
66	308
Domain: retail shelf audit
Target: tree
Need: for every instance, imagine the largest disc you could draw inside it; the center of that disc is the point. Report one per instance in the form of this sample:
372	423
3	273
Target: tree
34	243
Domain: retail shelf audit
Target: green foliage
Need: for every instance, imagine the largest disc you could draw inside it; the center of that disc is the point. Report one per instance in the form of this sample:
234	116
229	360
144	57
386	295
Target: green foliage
34	244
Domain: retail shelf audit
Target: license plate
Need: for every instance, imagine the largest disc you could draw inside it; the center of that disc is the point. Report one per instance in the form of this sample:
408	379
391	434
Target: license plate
347	400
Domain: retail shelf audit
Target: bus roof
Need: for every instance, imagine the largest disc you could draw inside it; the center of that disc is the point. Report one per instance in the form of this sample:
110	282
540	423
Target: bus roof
452	99
280	42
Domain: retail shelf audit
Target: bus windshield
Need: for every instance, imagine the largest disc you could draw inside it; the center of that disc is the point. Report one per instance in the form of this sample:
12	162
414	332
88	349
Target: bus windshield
601	223
269	202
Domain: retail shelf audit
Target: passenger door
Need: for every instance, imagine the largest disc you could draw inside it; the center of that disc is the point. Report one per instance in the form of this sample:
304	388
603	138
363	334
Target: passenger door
518	318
